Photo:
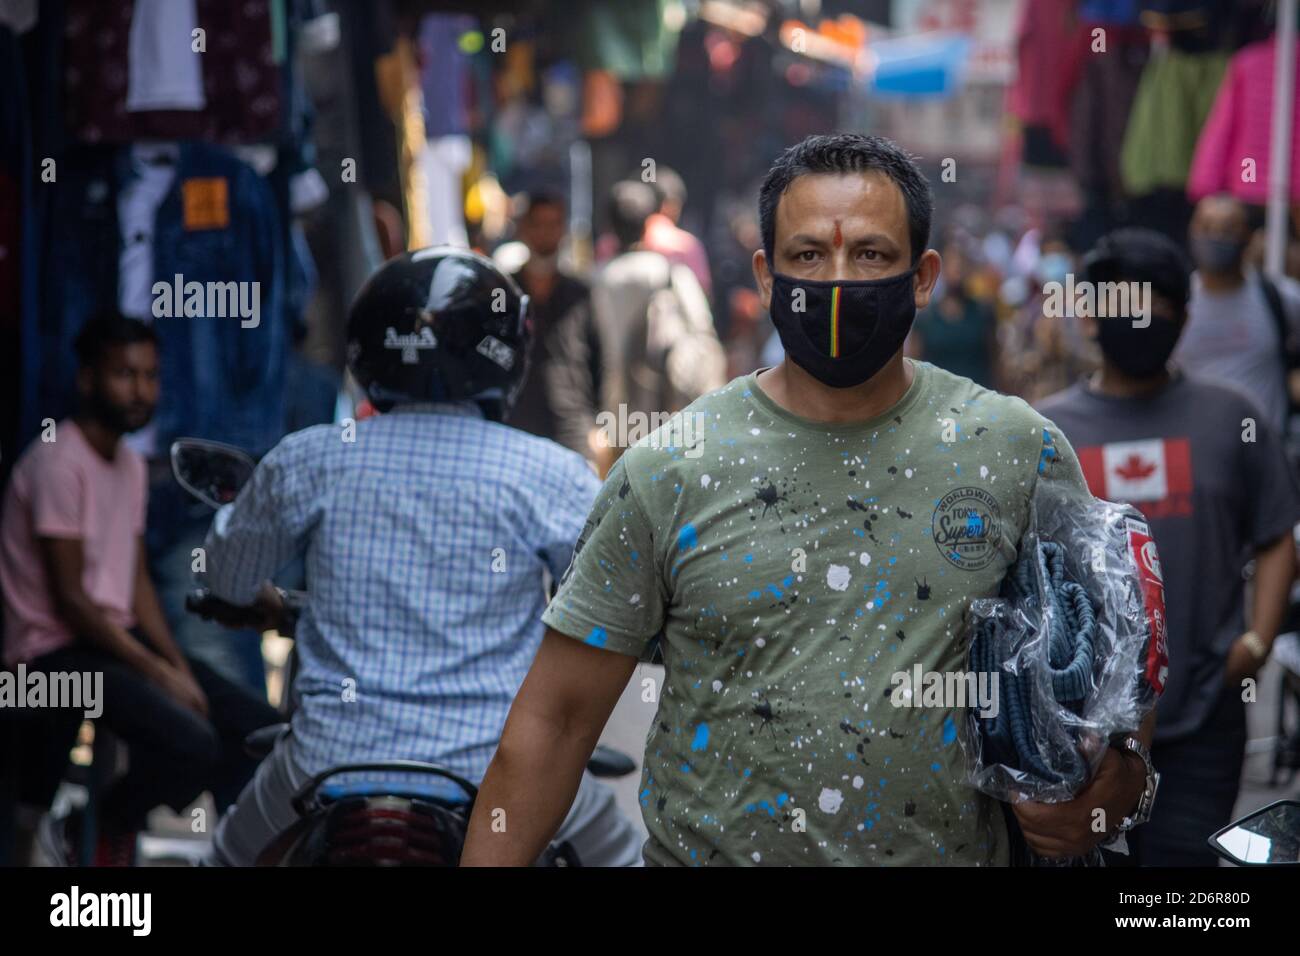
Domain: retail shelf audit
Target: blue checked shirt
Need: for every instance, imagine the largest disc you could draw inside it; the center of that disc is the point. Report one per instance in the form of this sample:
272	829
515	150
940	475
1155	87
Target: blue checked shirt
425	542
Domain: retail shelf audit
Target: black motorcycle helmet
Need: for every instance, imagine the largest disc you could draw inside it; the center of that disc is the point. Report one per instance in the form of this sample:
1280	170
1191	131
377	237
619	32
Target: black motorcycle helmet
441	324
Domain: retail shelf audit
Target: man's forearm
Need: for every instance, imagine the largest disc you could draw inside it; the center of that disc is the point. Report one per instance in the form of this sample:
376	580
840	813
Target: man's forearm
526	793
151	620
1136	766
88	622
1274	573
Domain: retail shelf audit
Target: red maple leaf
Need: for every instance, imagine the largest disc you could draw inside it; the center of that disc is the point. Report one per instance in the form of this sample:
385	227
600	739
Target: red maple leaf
1135	468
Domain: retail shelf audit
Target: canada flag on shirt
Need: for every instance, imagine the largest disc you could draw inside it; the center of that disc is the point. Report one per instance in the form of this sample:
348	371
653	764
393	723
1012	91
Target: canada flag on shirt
1155	474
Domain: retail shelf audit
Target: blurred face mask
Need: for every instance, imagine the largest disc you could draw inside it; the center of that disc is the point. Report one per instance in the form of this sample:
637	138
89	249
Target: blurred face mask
1217	255
1138	352
842	333
1054	267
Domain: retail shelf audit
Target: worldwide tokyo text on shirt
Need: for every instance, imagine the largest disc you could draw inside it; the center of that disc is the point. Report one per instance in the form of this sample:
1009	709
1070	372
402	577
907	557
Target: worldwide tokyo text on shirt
789	568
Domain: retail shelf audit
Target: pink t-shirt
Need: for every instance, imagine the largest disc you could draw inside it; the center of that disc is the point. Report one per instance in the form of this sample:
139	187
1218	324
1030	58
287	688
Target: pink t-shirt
65	489
664	237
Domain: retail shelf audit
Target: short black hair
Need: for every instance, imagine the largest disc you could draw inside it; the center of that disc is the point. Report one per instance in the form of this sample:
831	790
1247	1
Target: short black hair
539	198
106	330
631	203
848	153
1135	254
669	186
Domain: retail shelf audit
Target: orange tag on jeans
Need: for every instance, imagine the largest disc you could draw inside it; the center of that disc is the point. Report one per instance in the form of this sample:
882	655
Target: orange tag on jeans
206	203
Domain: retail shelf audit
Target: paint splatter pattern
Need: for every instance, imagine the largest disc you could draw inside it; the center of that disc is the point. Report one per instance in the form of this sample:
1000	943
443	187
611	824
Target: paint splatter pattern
789	570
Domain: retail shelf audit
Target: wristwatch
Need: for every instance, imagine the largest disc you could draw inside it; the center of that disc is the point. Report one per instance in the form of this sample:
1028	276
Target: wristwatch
1143	812
1255	644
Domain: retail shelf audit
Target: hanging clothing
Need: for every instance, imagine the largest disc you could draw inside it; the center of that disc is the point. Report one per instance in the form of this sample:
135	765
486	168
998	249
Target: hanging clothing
242	84
153	171
398	91
164	71
1110	12
1169	110
1100	111
632	39
1049	50
1237	131
602	103
444	161
444	73
221	378
19	15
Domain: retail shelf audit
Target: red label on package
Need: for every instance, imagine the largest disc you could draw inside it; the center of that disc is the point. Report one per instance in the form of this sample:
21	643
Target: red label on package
1147	561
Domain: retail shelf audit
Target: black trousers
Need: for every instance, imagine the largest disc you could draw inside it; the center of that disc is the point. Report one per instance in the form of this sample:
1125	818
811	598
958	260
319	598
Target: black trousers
1200	777
174	754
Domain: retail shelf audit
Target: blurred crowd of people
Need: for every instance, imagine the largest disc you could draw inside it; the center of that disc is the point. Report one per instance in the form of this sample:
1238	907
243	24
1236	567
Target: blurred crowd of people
648	328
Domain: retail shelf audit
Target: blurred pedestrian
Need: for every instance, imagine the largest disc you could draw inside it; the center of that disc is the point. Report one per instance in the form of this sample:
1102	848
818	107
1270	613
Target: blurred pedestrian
663	232
1241	323
1209	473
660	350
957	331
1040	353
561	393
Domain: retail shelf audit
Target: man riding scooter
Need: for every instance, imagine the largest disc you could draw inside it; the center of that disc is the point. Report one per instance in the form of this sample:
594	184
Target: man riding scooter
427	533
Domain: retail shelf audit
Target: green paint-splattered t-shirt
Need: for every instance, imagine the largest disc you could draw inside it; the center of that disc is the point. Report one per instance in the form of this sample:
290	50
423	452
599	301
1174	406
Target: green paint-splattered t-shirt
790	568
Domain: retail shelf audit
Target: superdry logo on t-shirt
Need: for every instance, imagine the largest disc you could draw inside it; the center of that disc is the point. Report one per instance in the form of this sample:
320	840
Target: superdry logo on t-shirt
1155	474
965	527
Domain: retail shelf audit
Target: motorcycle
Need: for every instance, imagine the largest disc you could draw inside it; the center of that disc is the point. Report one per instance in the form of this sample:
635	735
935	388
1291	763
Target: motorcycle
373	821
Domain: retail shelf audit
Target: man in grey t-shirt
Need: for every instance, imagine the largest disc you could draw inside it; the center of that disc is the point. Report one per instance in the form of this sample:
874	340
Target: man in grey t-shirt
1232	335
1211	478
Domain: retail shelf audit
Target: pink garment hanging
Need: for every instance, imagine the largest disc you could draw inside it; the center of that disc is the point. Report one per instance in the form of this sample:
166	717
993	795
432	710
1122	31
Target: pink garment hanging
1238	129
1050	46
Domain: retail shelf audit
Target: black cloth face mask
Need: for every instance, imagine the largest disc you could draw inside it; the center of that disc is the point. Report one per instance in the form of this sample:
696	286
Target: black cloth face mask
842	333
1217	255
1138	352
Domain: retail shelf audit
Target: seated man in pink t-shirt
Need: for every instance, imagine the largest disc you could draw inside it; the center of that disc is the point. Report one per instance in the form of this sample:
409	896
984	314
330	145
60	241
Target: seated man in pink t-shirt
78	599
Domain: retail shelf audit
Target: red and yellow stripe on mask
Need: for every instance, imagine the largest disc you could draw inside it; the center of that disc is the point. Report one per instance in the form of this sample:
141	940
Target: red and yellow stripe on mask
835	322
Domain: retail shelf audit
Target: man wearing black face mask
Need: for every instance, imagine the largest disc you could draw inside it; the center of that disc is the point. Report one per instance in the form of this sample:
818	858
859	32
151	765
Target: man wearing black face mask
1236	316
1211	478
798	542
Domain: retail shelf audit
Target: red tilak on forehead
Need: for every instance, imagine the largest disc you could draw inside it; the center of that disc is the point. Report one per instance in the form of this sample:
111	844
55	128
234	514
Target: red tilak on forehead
838	238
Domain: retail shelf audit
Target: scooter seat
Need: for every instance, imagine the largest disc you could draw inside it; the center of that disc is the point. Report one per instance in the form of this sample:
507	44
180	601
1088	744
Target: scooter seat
436	789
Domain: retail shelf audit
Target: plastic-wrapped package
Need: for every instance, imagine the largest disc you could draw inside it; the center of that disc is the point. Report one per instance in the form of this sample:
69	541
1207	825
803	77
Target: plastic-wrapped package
1075	646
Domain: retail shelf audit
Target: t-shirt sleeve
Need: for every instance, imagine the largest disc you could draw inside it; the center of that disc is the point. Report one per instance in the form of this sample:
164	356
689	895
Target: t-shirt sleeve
142	505
1057	461
559	520
58	503
1289	291
612	596
1274	500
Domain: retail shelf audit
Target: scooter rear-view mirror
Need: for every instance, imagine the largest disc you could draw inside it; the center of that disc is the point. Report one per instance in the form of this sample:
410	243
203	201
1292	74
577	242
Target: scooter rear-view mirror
210	471
1267	837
